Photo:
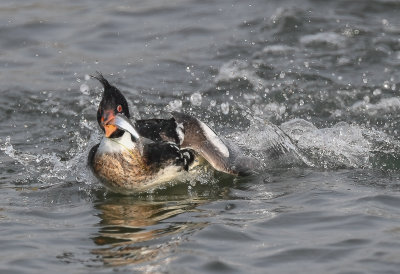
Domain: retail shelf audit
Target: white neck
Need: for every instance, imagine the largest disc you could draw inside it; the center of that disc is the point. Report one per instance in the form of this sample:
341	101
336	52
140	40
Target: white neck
116	145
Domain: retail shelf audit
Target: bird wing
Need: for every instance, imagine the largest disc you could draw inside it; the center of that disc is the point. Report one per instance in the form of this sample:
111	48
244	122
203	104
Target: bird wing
219	153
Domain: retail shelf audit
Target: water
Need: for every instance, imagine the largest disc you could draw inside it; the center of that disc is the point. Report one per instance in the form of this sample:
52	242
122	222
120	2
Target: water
308	87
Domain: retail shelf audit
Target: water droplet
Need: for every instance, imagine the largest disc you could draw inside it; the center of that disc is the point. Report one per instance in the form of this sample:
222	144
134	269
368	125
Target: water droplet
196	99
386	84
377	92
84	88
225	108
175	105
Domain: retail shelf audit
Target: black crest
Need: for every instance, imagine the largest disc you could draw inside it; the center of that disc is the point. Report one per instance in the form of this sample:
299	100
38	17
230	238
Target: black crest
112	97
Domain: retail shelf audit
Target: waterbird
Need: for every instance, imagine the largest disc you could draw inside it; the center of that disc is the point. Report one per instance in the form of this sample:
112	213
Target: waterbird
134	156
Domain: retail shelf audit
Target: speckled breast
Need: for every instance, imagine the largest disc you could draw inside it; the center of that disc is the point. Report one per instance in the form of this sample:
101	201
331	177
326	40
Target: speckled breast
122	171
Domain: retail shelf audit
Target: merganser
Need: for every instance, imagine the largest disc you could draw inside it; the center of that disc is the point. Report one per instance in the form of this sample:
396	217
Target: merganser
135	156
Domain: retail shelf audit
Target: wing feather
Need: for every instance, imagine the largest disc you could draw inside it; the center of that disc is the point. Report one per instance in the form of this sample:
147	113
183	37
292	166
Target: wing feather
218	153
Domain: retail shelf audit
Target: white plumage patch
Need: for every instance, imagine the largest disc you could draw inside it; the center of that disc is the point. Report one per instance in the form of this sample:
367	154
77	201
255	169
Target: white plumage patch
167	174
116	145
179	131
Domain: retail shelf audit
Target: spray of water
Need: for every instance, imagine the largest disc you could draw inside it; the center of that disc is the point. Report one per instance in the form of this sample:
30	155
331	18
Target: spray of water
294	143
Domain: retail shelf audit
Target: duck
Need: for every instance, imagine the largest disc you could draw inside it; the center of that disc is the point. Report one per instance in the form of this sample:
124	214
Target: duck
138	155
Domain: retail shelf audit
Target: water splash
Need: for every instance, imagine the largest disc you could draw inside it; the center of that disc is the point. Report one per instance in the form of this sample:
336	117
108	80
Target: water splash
294	143
272	146
196	99
239	69
269	111
50	168
385	105
298	142
84	88
225	108
175	105
340	146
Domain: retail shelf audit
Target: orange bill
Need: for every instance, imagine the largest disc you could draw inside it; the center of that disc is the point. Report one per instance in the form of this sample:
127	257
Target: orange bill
108	121
109	130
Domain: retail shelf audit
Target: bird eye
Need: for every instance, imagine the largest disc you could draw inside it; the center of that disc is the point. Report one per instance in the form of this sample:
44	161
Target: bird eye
119	108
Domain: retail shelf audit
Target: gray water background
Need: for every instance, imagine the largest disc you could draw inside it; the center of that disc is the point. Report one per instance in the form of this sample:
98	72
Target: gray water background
325	72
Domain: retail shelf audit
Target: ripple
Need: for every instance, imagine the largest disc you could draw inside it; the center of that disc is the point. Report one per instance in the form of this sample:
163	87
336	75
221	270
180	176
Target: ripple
386	200
352	243
303	255
322	39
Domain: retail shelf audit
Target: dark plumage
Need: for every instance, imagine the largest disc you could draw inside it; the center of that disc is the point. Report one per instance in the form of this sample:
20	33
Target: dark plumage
158	130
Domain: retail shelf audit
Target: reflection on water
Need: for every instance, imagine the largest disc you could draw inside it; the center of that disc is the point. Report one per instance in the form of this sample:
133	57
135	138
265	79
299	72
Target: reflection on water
137	229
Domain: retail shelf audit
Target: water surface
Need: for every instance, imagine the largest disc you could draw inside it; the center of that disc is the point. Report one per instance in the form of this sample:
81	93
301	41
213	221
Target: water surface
319	78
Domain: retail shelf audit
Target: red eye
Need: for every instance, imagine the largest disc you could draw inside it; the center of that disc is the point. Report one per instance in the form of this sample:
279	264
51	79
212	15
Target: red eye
119	108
